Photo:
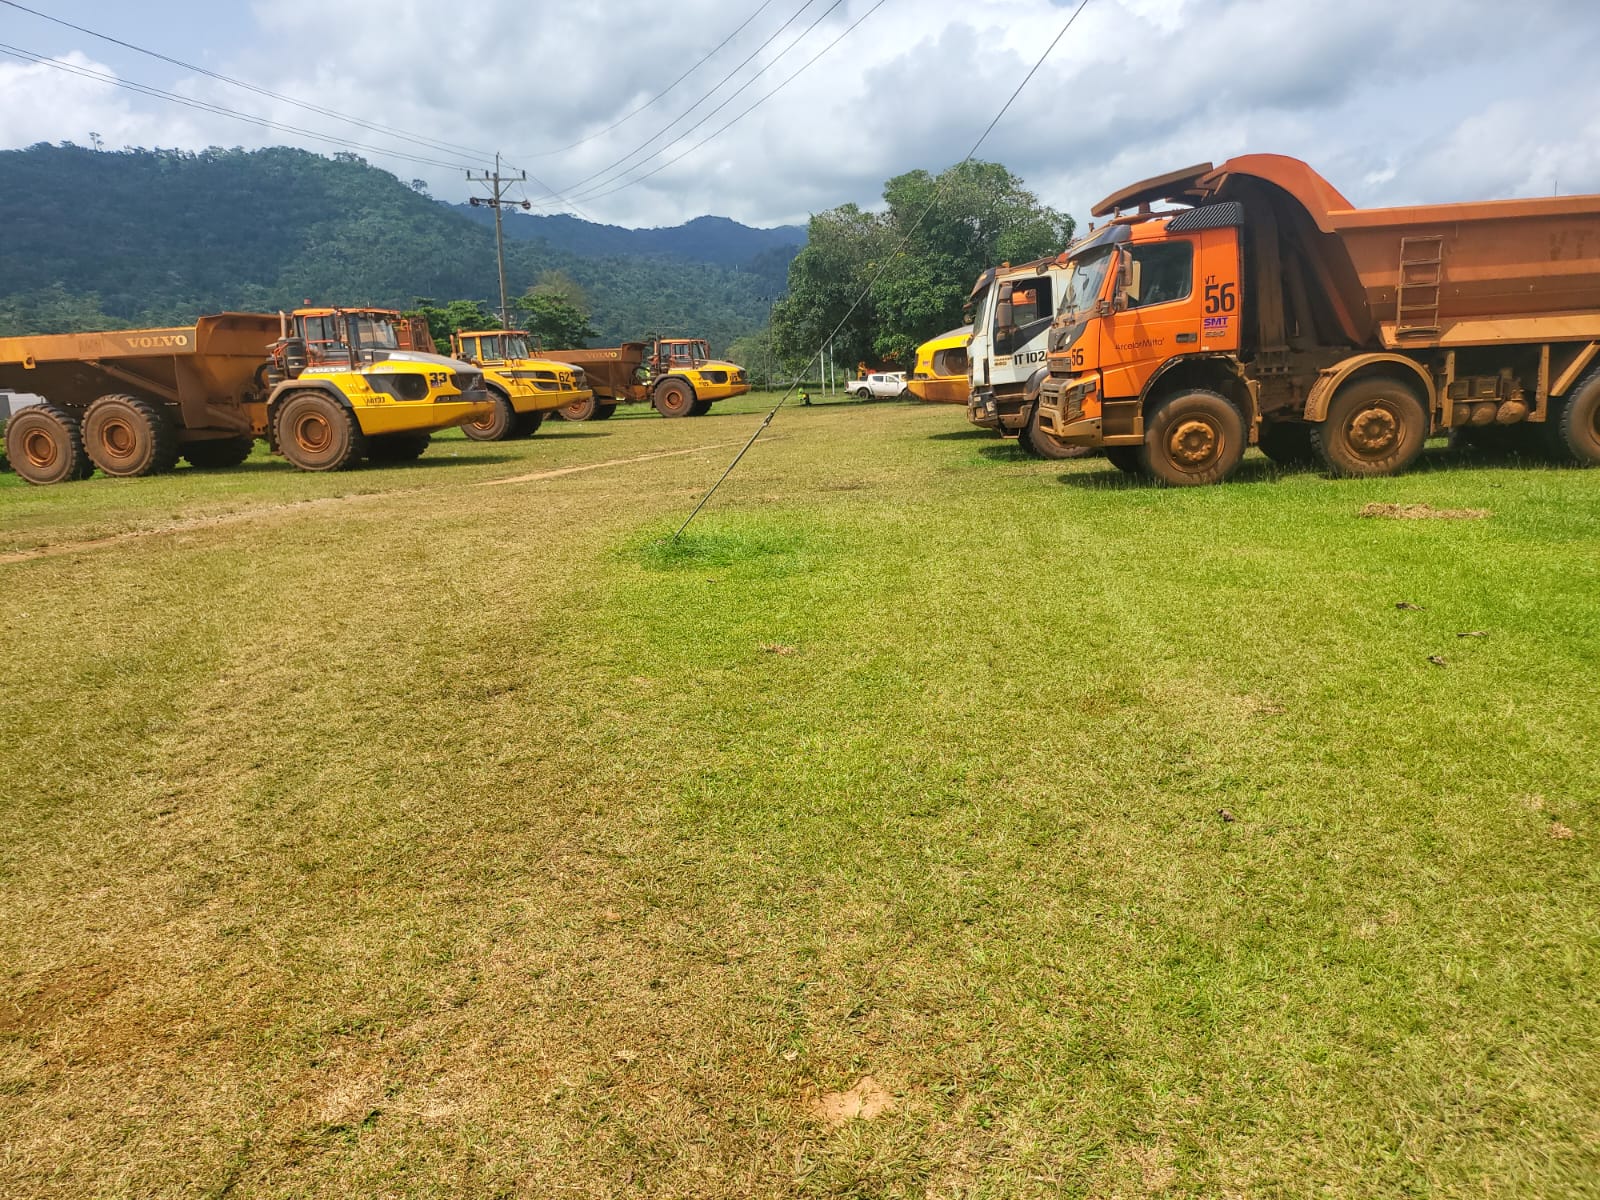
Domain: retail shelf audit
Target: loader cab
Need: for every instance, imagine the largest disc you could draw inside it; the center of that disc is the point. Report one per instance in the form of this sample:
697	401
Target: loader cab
492	347
350	336
681	354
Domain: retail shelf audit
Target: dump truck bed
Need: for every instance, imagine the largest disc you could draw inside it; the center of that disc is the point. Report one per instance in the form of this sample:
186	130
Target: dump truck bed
612	371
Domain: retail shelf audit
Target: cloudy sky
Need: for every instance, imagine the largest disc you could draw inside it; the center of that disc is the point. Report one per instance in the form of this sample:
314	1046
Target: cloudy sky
1395	103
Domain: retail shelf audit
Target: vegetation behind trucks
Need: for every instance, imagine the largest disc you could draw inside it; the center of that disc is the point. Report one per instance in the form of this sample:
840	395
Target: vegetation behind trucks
133	401
522	387
1012	309
676	375
1272	310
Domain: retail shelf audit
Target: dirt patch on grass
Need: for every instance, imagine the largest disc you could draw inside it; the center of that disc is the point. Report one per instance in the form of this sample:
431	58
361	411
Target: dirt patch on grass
1422	512
863	1102
59	993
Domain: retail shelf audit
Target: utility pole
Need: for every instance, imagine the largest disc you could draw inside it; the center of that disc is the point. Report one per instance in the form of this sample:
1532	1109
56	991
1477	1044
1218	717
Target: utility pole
497	200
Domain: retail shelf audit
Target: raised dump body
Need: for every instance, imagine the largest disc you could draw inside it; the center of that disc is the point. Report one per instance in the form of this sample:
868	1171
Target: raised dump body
1273	311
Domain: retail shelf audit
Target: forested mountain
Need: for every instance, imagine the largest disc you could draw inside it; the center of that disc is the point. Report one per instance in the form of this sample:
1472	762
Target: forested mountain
100	239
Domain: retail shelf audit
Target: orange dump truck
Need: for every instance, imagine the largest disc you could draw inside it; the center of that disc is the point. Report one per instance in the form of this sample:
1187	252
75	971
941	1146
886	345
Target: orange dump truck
1268	309
328	390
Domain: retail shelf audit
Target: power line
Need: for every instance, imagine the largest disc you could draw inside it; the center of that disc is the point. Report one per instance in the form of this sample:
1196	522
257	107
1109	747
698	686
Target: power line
730	97
217	109
403	135
765	4
594	195
878	274
573	187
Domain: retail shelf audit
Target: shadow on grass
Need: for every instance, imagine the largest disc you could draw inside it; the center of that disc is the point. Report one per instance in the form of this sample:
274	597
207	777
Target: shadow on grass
1100	475
974	434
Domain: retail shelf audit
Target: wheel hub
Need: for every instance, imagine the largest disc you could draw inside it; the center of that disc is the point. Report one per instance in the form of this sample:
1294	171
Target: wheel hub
39	448
1194	443
118	439
1374	431
312	432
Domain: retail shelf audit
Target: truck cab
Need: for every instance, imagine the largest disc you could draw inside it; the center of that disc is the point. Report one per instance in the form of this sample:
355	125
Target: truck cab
685	380
523	387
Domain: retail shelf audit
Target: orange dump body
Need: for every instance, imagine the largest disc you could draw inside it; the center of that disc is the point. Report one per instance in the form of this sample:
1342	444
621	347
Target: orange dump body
205	372
612	372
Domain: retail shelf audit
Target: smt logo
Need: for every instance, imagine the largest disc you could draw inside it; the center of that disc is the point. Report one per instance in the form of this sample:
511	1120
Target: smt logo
1216	326
158	341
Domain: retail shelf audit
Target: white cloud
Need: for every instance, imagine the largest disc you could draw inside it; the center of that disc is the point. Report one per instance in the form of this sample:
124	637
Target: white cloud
1438	100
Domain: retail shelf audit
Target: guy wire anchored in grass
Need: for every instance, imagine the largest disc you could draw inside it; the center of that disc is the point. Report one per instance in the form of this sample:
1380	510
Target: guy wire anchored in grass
898	251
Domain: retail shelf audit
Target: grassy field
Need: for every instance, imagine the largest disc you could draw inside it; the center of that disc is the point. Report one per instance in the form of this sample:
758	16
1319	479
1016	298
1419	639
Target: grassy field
413	832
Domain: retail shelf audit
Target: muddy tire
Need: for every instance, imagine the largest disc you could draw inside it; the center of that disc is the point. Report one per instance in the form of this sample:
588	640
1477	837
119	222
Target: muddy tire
1287	443
44	444
1036	443
528	424
699	408
1125	459
127	436
581	410
1195	437
397	447
317	433
500	424
218	453
674	399
1374	426
1575	426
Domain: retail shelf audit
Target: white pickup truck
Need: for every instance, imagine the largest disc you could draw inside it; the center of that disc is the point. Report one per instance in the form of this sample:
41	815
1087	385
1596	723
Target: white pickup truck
882	385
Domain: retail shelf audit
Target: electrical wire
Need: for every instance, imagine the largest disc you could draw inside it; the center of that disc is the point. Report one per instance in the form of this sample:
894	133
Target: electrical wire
728	78
878	274
595	195
374	127
765	4
217	109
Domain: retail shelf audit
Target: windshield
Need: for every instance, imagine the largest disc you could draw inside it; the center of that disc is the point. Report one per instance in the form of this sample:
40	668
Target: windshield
1085	277
517	347
374	333
980	313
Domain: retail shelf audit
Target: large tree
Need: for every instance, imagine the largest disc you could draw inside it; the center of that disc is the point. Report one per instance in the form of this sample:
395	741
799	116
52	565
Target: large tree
920	257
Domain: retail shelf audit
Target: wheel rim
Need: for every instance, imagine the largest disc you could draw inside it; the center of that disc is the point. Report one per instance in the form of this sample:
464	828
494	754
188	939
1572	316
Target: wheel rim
1195	444
674	400
118	438
313	433
1375	432
484	424
40	449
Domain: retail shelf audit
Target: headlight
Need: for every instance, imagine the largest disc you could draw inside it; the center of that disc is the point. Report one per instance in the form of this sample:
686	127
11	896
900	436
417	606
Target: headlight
408	385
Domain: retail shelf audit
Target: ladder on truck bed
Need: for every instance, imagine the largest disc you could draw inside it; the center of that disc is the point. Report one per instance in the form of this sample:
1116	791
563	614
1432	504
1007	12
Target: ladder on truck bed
1419	287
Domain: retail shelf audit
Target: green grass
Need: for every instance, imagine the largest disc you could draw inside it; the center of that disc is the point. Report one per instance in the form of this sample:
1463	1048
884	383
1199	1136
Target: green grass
479	840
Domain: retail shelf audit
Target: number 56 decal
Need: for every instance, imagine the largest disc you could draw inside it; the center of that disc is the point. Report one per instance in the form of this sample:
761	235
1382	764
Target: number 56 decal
1220	297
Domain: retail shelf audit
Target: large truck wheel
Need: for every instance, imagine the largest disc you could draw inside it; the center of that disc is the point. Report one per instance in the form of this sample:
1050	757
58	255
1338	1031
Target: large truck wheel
700	408
1287	443
602	412
1374	426
1038	443
127	436
674	399
500	424
528	424
1125	459
1577	424
317	433
44	444
397	447
218	452
1192	438
582	410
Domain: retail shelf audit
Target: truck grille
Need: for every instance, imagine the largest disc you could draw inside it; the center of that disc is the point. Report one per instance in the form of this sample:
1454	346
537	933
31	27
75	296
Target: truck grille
467	381
716	376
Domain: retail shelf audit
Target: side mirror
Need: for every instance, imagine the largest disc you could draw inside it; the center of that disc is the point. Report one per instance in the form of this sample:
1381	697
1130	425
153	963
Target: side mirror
1130	273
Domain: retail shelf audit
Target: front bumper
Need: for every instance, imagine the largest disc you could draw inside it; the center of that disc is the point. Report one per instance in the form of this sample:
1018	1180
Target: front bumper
1061	411
531	400
940	391
1001	413
379	419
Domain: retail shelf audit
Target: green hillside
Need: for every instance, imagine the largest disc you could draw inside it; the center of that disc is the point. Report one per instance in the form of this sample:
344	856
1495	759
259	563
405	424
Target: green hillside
101	239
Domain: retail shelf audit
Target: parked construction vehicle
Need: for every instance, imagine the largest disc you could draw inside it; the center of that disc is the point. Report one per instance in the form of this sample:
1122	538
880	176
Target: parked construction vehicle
1270	310
523	387
676	375
326	389
940	374
1011	313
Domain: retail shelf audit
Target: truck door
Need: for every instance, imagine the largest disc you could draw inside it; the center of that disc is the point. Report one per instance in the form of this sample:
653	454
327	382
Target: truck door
1166	306
979	352
1019	347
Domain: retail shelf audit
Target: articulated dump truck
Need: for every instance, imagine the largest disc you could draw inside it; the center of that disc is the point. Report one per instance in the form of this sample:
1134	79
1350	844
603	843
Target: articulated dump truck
677	376
325	388
524	388
1270	310
940	373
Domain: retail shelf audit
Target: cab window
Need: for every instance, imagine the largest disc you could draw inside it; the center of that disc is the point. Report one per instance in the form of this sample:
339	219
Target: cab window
1166	273
1030	300
469	348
